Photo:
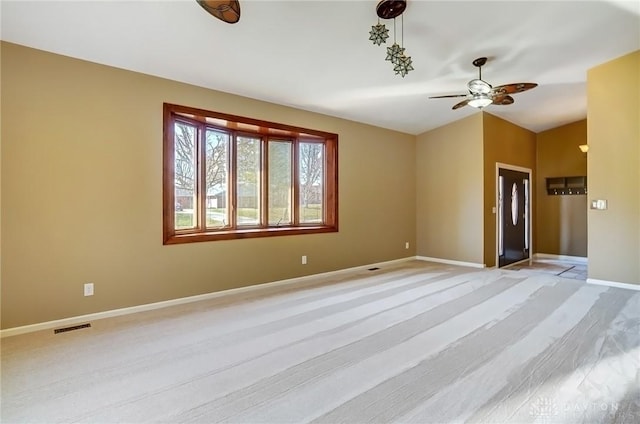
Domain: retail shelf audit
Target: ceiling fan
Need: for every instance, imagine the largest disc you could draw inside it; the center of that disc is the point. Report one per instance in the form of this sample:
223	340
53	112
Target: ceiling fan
225	10
482	94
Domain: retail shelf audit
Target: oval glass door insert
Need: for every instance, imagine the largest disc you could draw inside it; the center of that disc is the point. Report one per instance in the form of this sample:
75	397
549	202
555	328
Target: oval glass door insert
514	204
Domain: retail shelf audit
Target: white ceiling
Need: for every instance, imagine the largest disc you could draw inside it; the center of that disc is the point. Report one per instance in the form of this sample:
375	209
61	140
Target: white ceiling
316	55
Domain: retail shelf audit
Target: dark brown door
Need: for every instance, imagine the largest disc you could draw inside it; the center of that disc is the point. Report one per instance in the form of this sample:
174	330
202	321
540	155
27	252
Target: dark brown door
513	195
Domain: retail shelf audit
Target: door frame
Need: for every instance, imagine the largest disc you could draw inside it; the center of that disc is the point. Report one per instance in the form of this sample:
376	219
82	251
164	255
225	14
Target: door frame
499	166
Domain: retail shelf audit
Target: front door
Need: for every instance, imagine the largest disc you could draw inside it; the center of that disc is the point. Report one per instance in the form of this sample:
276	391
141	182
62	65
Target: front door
513	218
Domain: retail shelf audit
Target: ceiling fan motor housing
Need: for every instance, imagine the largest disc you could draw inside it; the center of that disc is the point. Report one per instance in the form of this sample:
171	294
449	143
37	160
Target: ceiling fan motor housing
478	86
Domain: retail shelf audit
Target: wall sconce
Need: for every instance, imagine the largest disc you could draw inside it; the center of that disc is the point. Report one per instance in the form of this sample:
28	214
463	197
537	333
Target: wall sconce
584	148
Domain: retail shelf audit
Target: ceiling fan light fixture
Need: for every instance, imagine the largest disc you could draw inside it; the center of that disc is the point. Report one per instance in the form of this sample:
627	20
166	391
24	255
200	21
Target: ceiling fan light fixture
482	94
480	100
478	86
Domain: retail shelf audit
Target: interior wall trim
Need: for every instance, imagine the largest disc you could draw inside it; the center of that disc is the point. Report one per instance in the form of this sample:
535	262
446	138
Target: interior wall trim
628	286
451	262
566	258
64	322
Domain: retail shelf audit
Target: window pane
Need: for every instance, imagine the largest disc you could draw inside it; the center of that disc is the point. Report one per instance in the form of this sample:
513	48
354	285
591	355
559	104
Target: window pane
311	183
185	172
279	183
217	177
248	181
229	177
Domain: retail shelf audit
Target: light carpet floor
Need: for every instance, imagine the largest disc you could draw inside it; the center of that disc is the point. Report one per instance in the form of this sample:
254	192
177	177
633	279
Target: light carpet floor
413	343
577	271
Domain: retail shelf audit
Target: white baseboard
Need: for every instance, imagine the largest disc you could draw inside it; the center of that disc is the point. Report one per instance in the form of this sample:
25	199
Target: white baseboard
614	284
65	322
548	256
450	262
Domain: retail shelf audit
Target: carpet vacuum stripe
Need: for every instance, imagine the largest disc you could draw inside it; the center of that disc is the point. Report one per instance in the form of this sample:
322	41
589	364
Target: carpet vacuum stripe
413	342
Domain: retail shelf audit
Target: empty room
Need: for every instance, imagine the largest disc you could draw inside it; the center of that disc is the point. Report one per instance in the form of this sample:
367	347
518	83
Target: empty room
256	211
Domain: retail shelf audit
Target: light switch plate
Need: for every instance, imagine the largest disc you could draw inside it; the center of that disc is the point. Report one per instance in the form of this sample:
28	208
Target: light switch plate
599	204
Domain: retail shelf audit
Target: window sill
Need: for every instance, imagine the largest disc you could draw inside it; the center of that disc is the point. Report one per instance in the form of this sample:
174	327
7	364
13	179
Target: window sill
246	233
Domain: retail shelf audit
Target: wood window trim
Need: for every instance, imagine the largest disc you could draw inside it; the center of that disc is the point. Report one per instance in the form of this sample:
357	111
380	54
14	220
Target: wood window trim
239	124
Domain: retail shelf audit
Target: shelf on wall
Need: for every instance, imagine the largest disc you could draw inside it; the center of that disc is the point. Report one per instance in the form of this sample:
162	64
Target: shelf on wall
558	186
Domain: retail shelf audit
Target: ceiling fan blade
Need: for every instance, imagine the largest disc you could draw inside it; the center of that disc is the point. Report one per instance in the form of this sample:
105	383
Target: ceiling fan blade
448	96
459	105
225	10
503	100
517	87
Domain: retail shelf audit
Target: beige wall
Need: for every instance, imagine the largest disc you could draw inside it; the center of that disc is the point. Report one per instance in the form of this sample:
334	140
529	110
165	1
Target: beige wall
613	131
509	144
561	221
81	169
82	194
449	191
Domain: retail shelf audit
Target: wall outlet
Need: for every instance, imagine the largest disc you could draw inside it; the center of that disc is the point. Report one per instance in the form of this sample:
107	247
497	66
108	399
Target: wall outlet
406	245
304	259
88	289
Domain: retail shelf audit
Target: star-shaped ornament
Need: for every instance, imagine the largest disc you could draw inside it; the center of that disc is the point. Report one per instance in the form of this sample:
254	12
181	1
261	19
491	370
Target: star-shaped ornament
394	52
379	34
404	65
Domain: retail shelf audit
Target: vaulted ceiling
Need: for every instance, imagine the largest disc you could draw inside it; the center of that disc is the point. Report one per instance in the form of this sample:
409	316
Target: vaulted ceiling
317	56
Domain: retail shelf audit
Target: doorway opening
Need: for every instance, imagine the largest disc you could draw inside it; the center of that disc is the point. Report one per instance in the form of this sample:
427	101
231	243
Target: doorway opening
513	214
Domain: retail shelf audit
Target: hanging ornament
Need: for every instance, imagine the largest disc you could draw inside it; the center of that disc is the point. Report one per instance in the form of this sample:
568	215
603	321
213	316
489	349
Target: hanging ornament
403	66
402	62
394	52
379	34
408	64
391	9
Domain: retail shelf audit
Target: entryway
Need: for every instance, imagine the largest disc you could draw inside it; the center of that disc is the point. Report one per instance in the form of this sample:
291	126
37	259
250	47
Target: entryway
513	214
576	270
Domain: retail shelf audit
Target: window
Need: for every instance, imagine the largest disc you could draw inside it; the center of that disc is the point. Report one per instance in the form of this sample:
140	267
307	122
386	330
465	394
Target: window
229	177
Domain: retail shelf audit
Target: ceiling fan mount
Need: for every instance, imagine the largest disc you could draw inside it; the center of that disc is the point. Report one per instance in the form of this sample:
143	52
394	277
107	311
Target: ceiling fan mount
479	62
482	94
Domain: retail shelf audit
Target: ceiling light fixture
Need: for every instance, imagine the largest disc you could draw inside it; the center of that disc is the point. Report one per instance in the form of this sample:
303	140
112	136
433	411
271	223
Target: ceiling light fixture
391	9
482	94
480	100
379	34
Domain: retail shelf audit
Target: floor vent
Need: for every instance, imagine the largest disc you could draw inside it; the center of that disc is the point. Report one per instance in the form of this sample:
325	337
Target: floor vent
75	327
373	269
